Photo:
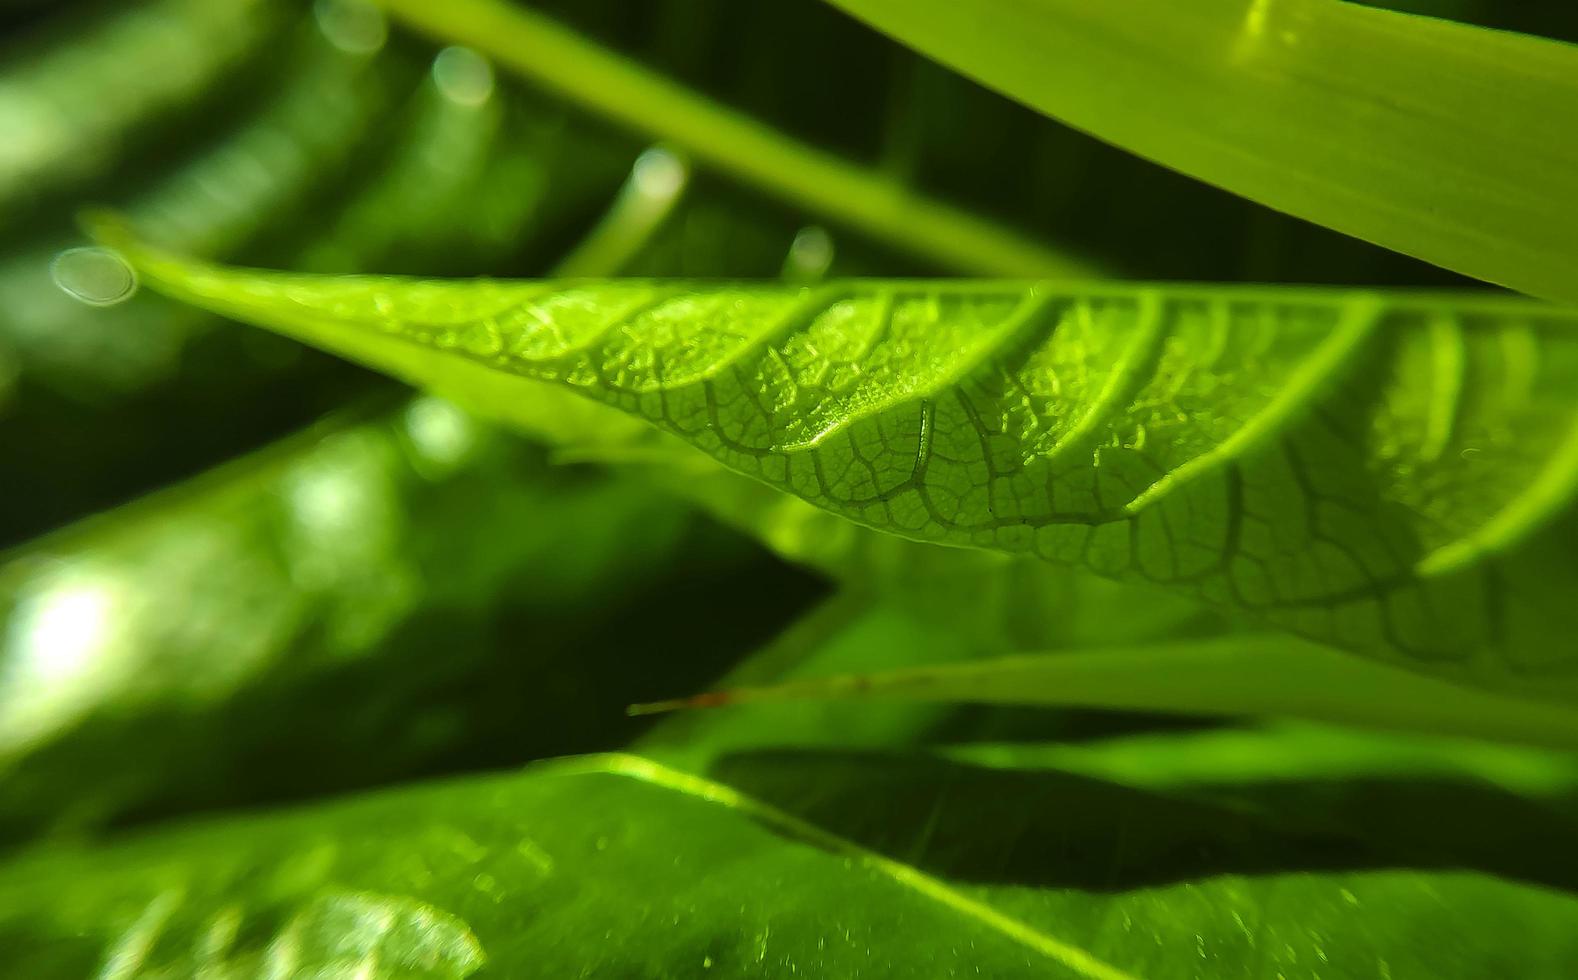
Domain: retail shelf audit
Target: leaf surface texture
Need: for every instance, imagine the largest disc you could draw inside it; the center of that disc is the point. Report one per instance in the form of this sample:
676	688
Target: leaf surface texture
1391	476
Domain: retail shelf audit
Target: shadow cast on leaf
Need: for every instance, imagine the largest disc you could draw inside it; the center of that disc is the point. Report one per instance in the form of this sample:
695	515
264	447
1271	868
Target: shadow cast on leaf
1049	828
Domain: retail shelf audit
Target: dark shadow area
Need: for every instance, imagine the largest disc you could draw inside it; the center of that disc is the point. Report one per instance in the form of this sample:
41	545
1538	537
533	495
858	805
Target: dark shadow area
974	723
1048	828
58	466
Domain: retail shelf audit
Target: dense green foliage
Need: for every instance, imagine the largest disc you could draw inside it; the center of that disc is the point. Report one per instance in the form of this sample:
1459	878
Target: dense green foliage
1251	549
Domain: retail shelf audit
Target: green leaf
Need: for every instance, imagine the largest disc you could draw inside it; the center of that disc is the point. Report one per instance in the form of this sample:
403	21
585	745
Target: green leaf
1447	142
998	602
831	864
1391	475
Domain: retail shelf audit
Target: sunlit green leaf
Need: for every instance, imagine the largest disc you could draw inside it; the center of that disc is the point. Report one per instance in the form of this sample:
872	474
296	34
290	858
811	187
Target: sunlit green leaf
1448	142
1390	475
998	602
619	865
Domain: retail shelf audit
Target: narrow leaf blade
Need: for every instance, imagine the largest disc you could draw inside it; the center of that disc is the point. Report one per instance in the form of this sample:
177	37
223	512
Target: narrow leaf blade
1443	141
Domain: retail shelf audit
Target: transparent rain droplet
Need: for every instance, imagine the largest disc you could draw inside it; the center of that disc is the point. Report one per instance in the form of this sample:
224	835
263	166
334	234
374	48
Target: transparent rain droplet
95	276
463	76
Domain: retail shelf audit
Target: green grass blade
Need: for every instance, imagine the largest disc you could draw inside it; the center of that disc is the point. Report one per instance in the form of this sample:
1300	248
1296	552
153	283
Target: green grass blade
1447	142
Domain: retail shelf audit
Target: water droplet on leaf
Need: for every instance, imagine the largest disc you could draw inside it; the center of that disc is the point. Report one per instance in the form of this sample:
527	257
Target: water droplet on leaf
96	276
